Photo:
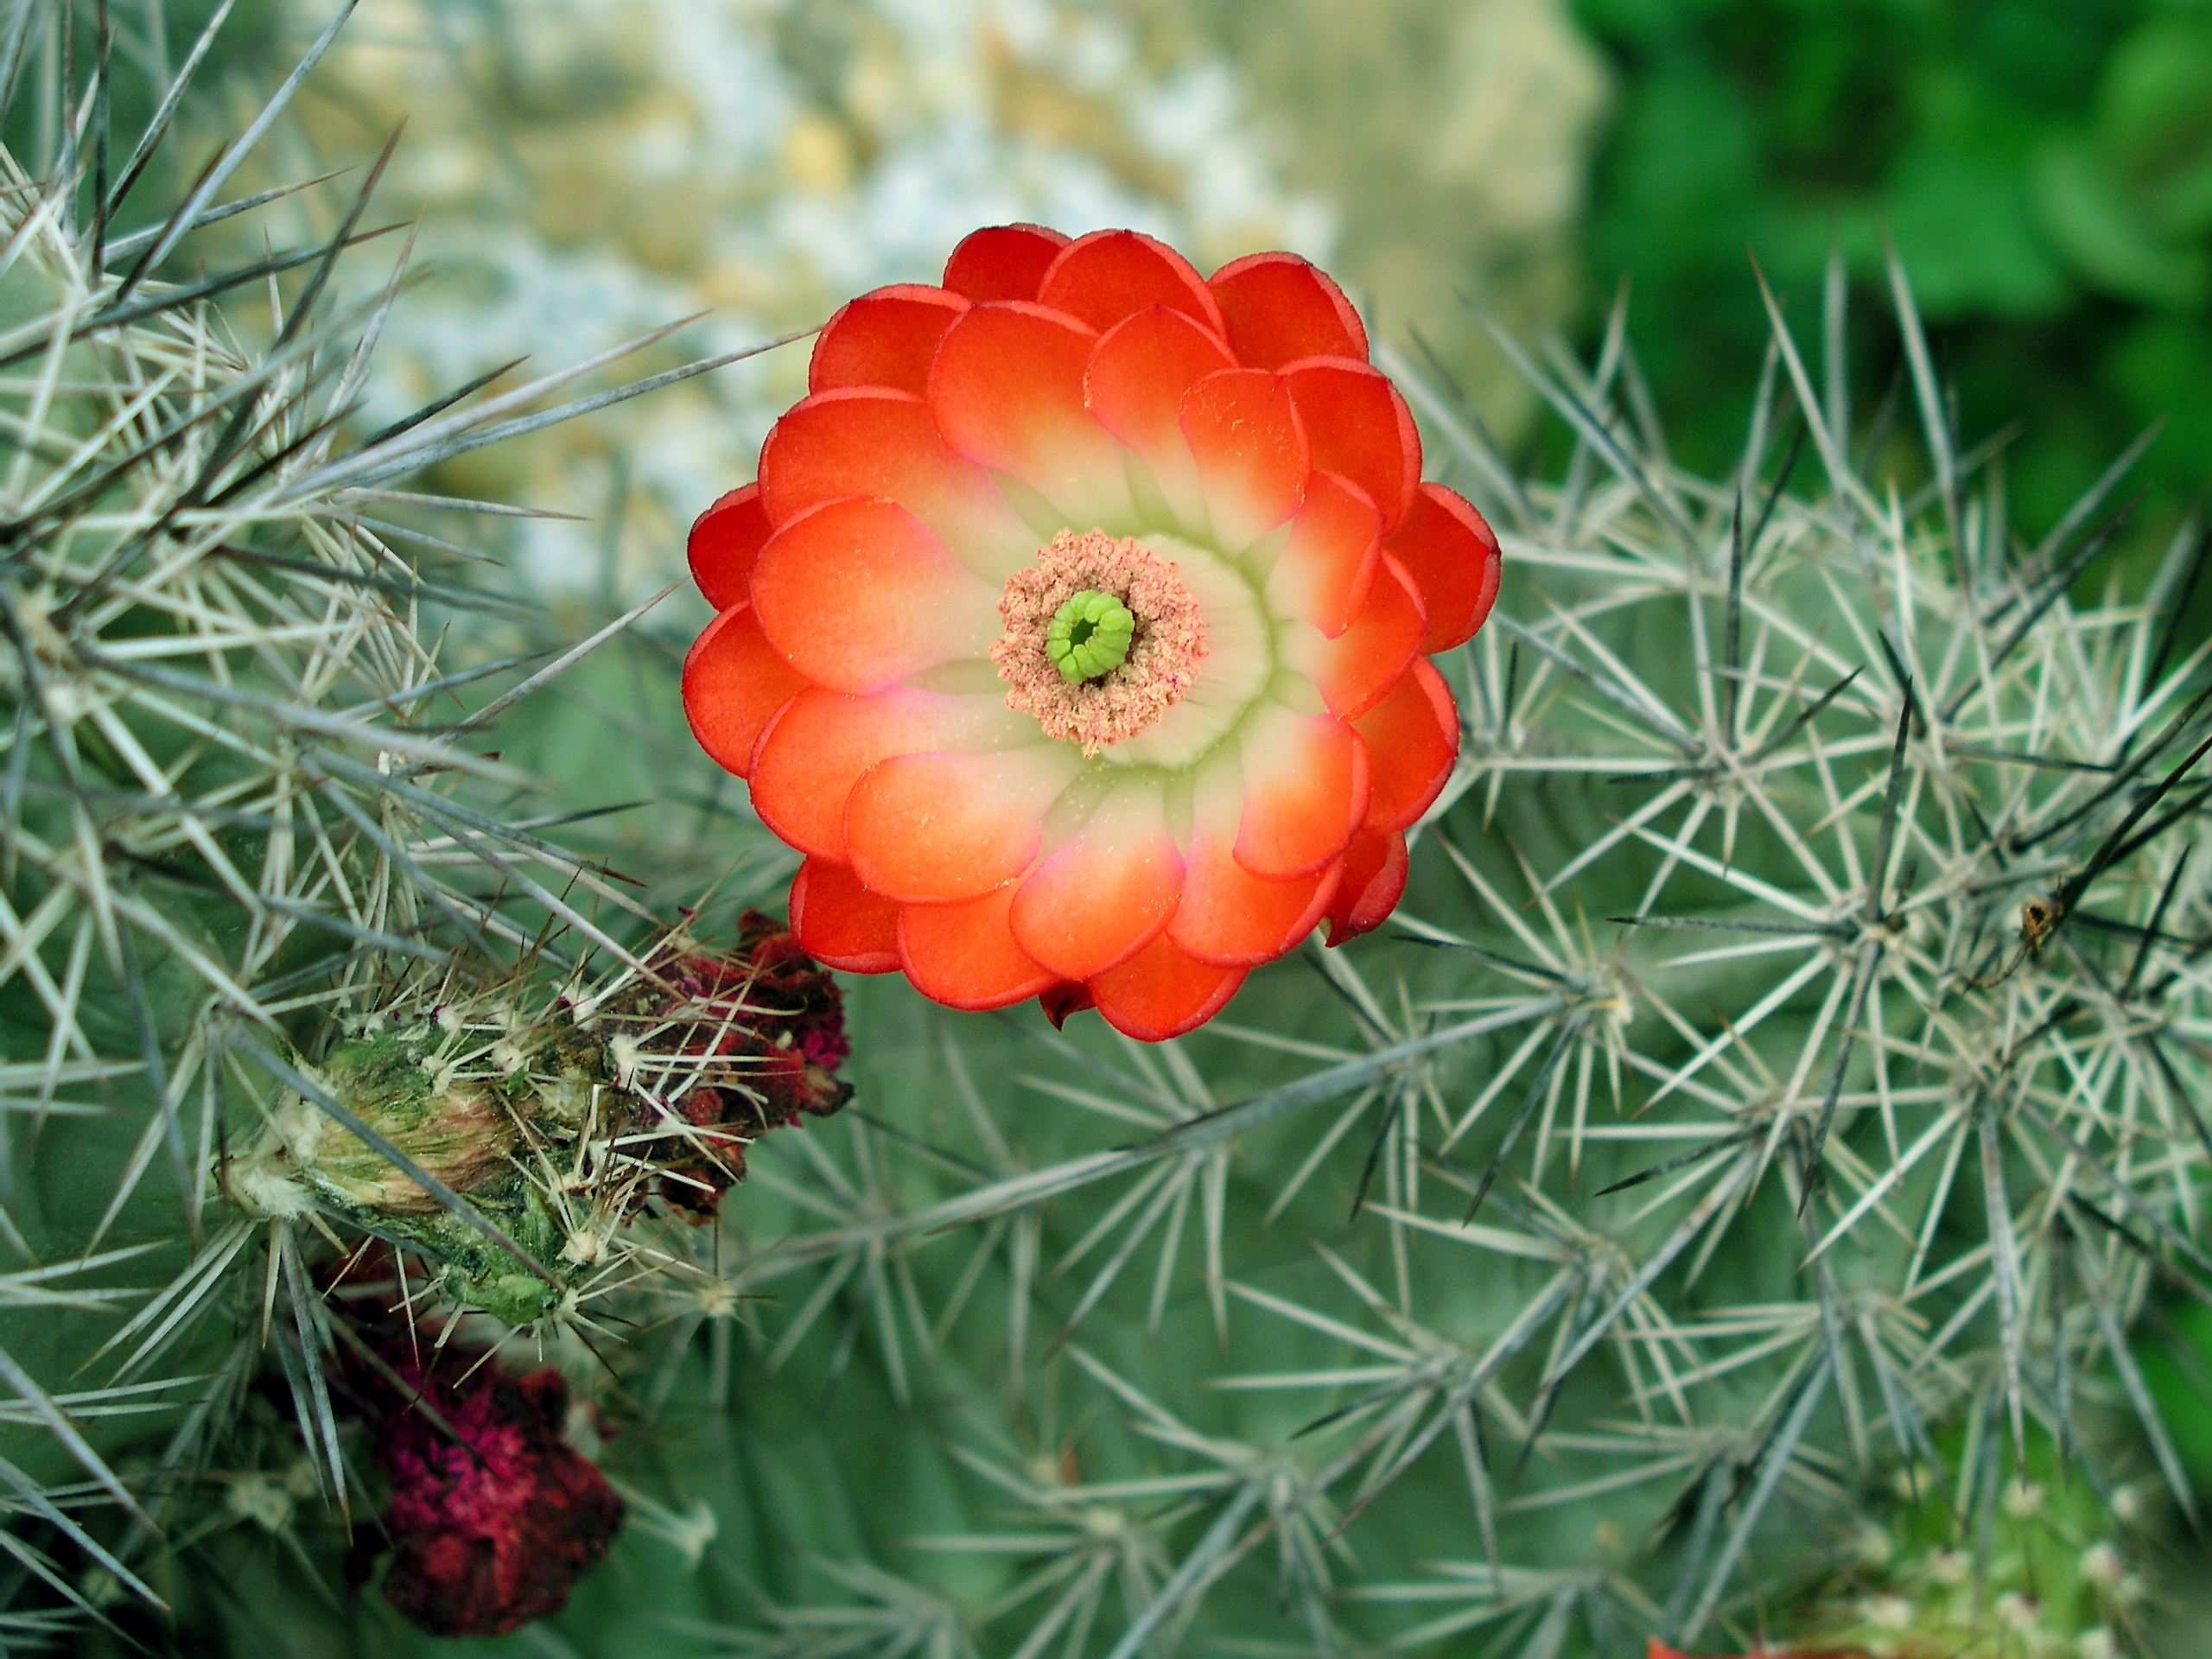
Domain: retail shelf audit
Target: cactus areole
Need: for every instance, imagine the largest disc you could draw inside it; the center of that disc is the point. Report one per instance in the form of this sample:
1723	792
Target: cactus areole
1077	629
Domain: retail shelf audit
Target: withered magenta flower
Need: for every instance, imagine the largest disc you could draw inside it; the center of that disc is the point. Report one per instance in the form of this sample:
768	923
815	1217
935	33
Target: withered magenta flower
1075	628
494	1515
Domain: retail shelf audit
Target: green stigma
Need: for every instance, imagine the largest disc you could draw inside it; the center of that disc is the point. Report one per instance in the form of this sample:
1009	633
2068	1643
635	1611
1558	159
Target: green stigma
1089	636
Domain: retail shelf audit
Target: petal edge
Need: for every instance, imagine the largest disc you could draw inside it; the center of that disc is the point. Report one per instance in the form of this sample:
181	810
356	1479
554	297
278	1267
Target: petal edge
735	683
1278	308
840	923
1003	262
1161	993
884	338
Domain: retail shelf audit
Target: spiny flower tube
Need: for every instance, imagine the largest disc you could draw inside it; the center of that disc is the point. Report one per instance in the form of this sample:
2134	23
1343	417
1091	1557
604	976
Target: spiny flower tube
557	1115
1076	627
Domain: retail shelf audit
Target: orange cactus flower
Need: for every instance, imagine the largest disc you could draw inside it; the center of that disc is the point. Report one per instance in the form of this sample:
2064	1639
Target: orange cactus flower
1076	630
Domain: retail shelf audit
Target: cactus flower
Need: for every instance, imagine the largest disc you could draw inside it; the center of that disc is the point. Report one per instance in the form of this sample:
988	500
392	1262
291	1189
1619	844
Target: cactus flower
494	1515
1076	630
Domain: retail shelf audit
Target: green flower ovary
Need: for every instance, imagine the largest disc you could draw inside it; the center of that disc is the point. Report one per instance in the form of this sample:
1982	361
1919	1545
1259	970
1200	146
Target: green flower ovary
1089	636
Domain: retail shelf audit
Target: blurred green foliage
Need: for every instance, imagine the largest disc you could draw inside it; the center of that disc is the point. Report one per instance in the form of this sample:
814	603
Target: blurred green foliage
2178	1365
2044	167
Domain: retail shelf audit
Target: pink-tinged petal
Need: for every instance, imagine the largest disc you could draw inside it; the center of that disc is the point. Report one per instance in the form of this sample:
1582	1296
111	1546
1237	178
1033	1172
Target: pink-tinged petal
858	593
1102	894
1139	373
1411	738
840	923
1374	867
966	956
1162	992
1305	790
816	749
1229	916
939	829
866	441
1234	918
733	684
1110	275
725	540
1452	553
1007	391
1327	568
1003	262
1245	434
1279	309
885	338
1359	426
1357	668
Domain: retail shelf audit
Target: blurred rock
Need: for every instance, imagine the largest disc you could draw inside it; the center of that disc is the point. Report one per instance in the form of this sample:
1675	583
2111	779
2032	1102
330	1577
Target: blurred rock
592	169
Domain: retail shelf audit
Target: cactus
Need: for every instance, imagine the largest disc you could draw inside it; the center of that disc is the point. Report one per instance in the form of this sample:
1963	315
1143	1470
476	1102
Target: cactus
233	812
1762	1125
558	1124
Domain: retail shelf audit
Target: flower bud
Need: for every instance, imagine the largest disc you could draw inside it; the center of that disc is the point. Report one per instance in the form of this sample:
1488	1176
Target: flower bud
412	1082
457	1131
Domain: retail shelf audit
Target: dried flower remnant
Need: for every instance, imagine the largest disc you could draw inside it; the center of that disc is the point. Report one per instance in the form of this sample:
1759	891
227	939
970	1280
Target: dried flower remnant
1075	629
553	1120
778	1065
494	1515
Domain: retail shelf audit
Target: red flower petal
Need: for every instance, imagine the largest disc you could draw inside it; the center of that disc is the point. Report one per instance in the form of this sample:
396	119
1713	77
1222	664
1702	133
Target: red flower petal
1412	738
936	828
1141	369
1134	385
883	339
816	749
865	440
1110	275
1374	881
840	923
1279	309
1251	451
1357	668
1360	427
965	957
1106	891
725	540
1234	918
1003	262
1006	391
1305	790
1327	568
1161	993
858	593
1229	916
1452	555
733	684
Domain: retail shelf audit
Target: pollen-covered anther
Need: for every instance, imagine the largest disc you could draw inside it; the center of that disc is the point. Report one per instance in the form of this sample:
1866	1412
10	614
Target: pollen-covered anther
1085	583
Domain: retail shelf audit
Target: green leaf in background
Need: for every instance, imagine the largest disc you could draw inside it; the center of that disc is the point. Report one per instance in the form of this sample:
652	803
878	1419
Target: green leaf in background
2044	167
